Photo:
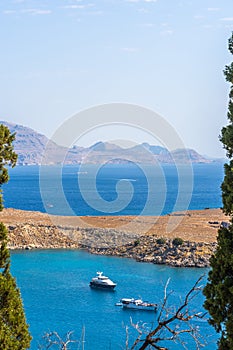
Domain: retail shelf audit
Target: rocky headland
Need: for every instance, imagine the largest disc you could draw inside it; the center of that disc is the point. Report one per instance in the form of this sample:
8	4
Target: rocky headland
185	239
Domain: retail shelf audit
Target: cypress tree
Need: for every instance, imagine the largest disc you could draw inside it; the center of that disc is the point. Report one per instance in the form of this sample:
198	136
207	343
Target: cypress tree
14	334
219	289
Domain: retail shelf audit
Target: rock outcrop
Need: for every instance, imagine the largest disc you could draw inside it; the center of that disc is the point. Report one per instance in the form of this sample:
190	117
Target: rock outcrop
189	254
108	235
110	242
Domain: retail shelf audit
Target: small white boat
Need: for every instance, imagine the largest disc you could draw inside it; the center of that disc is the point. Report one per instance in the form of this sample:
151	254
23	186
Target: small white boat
101	281
137	304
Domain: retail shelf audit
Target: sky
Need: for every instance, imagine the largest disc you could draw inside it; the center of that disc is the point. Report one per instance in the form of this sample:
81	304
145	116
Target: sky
60	57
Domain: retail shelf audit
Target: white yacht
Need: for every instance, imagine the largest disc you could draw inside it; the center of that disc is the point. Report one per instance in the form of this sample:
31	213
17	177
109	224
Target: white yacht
101	281
137	304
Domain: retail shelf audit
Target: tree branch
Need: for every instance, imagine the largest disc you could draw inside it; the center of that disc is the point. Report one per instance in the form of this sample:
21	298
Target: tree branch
165	323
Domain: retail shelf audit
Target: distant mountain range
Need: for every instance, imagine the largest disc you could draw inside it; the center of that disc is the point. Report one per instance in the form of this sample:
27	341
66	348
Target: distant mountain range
30	146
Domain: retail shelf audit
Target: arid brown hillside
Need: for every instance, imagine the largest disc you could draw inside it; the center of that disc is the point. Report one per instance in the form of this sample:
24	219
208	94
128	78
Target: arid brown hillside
194	225
124	236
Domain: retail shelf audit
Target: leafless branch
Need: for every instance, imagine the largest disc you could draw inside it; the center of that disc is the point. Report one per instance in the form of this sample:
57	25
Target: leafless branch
165	298
127	338
52	339
171	326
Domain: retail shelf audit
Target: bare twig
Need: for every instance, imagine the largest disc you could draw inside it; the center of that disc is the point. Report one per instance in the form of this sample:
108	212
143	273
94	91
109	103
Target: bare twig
53	338
167	328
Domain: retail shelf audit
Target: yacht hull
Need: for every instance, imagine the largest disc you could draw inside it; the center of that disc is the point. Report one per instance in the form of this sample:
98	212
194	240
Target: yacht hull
101	286
137	304
138	307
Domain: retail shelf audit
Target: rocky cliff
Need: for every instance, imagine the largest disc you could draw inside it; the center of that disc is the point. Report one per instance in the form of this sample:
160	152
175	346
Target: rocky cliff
196	231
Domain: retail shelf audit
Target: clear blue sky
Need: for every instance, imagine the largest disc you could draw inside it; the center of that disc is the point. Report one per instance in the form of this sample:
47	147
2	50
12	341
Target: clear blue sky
61	56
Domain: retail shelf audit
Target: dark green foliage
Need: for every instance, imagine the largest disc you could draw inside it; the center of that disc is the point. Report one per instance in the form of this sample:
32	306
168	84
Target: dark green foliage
177	241
137	242
227	132
219	289
227	139
4	252
229	73
161	240
227	189
7	156
13	328
230	45
14	334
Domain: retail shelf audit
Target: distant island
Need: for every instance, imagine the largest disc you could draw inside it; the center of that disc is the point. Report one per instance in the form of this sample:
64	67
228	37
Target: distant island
30	146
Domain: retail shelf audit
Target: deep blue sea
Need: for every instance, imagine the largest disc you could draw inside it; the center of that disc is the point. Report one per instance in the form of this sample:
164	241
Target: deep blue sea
55	284
115	190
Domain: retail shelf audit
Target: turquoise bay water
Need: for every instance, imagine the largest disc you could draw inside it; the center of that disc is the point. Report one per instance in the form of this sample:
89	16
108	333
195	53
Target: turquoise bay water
55	284
56	293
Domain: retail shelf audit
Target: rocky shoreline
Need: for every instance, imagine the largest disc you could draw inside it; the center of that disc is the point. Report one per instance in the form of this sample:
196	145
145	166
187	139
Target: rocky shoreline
189	254
113	243
31	230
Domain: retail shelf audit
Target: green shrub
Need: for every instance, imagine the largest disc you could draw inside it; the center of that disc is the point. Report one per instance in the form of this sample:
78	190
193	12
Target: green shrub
161	240
177	241
137	242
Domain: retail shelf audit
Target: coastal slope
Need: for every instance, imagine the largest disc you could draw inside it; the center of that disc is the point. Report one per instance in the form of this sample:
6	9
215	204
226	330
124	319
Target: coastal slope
143	238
